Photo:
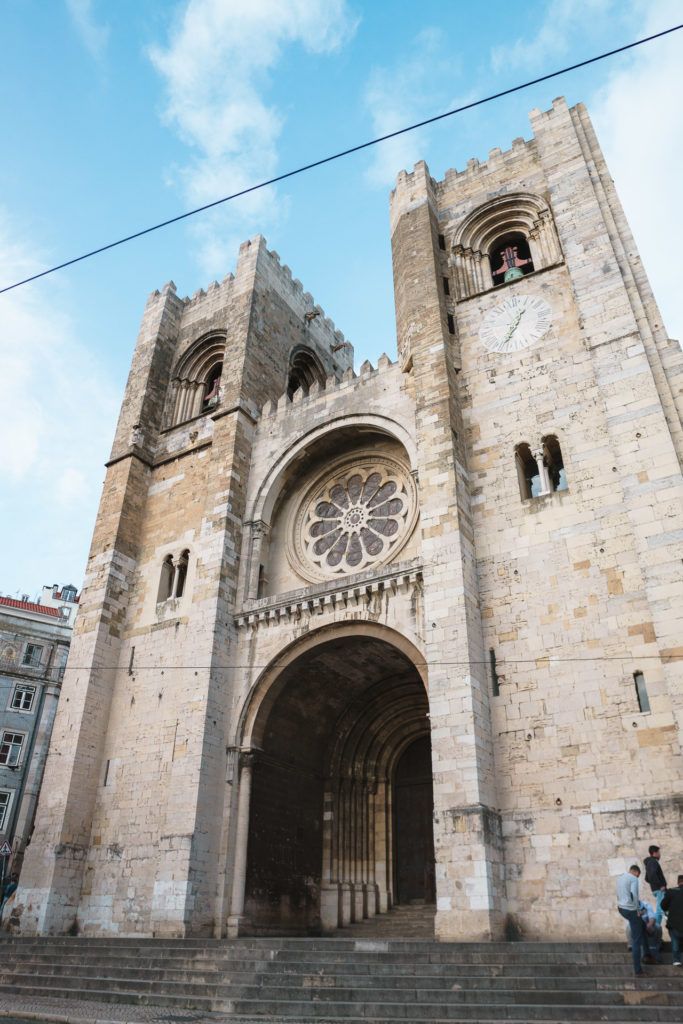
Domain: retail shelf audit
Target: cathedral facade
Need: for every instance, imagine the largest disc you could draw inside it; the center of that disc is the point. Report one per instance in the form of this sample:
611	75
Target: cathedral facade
348	640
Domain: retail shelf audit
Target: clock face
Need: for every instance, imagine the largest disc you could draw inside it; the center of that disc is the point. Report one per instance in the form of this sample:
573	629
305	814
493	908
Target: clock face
516	323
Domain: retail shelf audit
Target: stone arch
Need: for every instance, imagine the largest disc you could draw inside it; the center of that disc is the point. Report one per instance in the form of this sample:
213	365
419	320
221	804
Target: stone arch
305	370
317	822
274	556
195	381
516	214
270	487
265	687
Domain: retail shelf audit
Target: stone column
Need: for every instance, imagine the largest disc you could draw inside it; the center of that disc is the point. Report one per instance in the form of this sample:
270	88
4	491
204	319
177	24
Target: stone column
239	873
542	471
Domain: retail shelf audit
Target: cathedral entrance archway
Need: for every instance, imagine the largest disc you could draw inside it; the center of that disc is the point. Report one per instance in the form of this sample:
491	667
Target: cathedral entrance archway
340	731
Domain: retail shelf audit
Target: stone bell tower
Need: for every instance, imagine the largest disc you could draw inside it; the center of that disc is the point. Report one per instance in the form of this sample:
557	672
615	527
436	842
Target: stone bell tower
548	397
138	751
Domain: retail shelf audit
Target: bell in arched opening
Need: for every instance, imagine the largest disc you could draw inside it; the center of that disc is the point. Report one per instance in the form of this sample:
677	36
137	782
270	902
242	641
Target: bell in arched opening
510	258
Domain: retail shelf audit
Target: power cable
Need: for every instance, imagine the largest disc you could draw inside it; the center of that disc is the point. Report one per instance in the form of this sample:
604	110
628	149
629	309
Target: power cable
342	153
666	658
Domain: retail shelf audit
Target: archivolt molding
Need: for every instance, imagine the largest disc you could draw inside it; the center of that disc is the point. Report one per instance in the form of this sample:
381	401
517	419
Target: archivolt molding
271	487
522	212
190	376
266	689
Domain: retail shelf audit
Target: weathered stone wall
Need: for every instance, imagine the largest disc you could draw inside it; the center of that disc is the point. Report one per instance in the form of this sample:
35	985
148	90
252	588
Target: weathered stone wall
582	588
543	788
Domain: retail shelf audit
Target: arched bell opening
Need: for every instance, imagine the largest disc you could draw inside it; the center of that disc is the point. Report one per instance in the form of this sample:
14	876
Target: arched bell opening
321	847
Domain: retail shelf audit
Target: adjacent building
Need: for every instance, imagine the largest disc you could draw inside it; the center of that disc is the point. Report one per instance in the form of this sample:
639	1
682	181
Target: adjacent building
414	633
34	644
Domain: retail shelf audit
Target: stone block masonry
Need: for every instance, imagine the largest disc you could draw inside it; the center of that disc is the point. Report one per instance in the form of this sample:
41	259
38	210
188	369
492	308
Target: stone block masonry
304	583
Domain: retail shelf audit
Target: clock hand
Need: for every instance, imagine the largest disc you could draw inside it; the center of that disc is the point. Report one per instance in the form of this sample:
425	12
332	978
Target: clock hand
514	325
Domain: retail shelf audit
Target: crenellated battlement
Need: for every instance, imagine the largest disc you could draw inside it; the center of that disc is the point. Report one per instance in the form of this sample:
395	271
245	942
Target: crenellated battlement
216	290
279	275
348	382
413	187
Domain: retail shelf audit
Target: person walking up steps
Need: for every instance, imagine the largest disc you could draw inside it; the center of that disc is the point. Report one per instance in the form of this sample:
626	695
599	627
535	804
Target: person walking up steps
673	905
628	905
654	876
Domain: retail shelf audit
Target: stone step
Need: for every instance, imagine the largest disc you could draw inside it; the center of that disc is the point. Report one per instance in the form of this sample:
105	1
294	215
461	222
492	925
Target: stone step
310	976
433	1010
305	980
321	991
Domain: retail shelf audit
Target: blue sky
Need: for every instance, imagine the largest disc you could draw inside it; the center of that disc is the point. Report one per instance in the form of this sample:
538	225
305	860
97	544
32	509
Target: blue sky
115	116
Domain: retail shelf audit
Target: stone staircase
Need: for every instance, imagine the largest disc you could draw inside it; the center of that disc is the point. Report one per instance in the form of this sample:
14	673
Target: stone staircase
405	921
349	979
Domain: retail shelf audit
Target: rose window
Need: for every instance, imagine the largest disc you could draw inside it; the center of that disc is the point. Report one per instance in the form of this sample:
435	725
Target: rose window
355	518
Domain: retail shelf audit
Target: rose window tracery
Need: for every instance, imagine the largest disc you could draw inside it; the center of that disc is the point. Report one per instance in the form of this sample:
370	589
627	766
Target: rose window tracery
353	517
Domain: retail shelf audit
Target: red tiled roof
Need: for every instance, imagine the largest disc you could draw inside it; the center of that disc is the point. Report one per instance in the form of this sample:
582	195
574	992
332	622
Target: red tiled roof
30	606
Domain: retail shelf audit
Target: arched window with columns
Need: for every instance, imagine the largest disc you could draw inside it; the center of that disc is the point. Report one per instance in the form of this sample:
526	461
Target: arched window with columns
540	470
506	238
195	385
305	369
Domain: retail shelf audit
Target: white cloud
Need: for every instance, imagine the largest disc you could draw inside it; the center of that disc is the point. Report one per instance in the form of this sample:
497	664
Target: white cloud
216	68
58	420
94	36
556	33
638	121
402	94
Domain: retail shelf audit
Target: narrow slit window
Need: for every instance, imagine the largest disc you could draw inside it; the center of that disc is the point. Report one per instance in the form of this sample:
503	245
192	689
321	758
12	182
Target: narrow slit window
641	692
442	242
446	286
451	324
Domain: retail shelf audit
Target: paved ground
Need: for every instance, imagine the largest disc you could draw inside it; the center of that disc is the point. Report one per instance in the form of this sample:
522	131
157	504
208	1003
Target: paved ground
20	1009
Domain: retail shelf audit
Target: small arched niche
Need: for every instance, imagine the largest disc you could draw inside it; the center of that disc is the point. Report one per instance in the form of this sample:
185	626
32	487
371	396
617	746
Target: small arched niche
195	385
519	222
305	370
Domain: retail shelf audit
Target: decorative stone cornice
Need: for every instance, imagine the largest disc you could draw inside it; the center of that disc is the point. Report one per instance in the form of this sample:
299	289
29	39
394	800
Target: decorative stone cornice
354	592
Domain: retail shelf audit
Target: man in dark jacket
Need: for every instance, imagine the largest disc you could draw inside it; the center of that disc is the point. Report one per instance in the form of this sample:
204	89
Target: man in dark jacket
654	876
673	904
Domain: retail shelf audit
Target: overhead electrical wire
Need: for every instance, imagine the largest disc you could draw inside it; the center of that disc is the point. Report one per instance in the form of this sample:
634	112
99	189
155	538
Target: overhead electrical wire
337	156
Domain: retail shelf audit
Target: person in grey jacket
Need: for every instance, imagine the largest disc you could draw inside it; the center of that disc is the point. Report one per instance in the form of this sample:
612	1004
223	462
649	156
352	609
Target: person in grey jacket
628	905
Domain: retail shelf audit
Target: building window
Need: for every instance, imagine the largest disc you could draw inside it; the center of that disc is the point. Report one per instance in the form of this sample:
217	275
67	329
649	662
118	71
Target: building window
10	748
211	387
22	698
166	579
528	474
541	471
195	385
5	801
69	594
552	457
33	655
506	238
181	573
641	692
510	258
304	371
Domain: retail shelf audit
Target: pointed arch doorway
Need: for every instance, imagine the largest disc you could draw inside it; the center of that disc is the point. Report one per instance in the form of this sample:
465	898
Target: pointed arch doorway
341	776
